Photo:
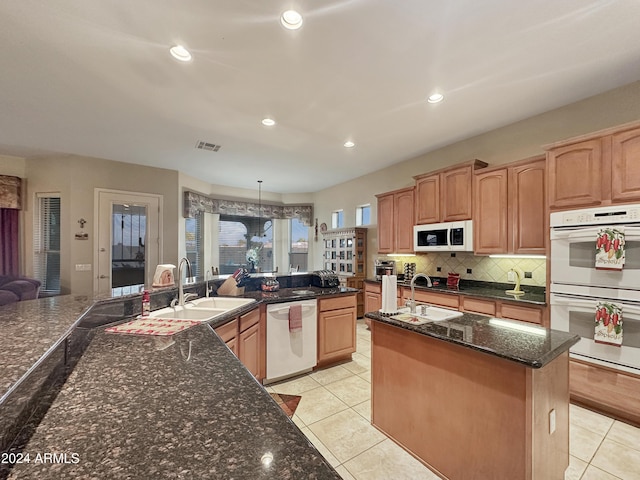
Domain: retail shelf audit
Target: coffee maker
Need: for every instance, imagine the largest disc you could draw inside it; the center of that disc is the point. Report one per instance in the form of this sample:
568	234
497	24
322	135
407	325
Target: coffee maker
384	267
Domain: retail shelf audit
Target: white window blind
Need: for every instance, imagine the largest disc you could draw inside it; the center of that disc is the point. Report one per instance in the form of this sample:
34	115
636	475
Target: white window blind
46	242
194	241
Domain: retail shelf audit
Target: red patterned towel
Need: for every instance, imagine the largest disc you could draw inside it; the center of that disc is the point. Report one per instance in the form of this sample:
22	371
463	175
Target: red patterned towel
295	318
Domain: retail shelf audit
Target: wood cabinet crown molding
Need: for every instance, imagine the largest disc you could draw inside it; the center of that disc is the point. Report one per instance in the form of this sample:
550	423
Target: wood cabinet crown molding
593	135
475	164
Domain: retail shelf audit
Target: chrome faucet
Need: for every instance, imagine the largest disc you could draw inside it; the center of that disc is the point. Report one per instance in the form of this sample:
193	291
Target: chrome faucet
181	295
207	274
412	304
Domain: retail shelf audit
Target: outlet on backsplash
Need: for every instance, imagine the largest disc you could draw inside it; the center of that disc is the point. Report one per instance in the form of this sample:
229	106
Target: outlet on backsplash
477	267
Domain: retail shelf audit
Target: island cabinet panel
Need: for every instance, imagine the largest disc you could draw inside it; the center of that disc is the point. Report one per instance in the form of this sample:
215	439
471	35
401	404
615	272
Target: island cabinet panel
336	329
575	173
625	167
490	217
467	414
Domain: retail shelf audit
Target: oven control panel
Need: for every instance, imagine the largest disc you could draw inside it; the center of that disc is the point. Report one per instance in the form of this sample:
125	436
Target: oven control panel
597	216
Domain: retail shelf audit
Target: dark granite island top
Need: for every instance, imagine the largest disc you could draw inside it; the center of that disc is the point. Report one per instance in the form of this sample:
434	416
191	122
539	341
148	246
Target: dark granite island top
180	407
529	345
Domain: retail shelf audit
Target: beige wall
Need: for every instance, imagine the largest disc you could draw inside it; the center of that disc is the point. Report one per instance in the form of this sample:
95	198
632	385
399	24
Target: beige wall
12	166
76	178
510	143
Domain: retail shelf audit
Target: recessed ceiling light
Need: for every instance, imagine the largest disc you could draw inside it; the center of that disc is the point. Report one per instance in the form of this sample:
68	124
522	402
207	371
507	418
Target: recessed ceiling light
291	20
180	53
268	122
435	98
349	144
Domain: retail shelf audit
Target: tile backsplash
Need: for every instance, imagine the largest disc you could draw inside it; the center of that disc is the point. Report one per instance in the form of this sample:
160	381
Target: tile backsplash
482	268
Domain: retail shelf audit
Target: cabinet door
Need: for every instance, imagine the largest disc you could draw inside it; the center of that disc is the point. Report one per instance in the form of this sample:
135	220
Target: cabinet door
490	216
428	199
233	345
372	301
528	220
575	175
403	216
249	349
336	333
385	224
456	194
625	166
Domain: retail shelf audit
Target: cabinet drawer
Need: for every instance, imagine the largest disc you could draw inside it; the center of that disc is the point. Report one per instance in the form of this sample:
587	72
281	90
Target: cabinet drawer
443	299
336	303
518	312
488	307
372	287
228	331
249	319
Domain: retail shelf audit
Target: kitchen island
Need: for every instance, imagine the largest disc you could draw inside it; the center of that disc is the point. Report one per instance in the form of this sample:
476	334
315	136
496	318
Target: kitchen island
474	397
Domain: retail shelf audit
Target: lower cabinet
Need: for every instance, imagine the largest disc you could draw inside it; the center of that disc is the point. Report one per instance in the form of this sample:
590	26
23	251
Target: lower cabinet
372	297
245	337
336	329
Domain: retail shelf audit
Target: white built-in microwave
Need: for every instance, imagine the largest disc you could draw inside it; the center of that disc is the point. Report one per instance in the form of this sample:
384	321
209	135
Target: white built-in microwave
448	236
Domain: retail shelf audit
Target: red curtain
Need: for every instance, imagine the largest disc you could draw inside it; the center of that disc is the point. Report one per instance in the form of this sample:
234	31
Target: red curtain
9	247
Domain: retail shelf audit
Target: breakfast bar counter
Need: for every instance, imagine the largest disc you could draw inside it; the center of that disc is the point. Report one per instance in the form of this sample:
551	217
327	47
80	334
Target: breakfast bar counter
474	397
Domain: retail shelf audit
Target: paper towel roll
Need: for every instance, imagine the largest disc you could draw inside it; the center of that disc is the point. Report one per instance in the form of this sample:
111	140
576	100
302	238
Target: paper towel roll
389	294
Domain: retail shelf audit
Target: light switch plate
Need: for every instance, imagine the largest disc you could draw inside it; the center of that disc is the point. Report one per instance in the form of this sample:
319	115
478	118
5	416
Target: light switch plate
83	267
511	276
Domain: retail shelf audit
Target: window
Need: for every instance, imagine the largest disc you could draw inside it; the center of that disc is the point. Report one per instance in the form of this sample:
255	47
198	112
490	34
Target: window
337	219
363	215
299	246
245	242
46	242
194	243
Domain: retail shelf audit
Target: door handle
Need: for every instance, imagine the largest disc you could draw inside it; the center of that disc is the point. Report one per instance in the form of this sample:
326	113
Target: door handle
103	276
103	249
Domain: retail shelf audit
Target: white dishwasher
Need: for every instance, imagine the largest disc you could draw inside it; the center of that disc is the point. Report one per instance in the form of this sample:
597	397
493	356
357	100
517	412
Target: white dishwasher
291	353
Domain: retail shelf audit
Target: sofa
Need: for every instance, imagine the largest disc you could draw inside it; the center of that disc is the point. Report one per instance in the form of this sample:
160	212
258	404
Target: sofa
16	289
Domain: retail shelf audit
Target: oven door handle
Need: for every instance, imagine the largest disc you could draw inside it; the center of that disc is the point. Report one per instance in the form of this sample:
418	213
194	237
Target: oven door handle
560	299
589	232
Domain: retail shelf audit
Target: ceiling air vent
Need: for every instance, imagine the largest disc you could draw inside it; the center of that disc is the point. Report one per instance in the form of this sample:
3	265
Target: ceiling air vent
207	146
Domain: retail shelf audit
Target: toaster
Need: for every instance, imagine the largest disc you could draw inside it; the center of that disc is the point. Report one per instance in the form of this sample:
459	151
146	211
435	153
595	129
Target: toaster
325	279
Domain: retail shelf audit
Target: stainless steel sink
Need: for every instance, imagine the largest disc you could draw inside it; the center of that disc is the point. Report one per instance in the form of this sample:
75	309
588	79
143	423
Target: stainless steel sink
426	315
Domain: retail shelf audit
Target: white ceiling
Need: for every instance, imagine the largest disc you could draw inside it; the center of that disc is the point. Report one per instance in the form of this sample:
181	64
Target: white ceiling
95	78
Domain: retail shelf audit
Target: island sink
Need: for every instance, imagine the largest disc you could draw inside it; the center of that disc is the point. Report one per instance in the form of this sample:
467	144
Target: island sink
426	314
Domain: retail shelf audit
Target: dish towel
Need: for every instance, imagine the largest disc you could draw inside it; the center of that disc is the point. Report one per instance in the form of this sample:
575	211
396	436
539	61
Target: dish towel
610	248
608	324
295	318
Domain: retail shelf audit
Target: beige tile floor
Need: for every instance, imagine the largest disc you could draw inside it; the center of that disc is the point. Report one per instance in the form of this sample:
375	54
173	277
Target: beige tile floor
335	411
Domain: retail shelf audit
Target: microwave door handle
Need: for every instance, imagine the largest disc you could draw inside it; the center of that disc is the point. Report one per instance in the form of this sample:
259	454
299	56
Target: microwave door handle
451	237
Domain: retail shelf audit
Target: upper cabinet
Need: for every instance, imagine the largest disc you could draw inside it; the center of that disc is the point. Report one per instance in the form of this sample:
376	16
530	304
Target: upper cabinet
509	209
596	169
446	195
395	221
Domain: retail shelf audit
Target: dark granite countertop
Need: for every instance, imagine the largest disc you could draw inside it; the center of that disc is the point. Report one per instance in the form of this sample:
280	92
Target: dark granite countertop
202	415
30	329
532	346
180	407
533	295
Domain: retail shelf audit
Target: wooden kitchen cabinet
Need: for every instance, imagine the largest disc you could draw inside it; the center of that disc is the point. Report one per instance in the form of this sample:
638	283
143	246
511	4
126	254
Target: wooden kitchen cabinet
246	338
446	195
372	297
510	209
395	221
595	169
336	329
490	217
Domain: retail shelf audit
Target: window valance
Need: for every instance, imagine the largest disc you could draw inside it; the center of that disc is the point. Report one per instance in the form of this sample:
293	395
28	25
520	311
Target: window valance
10	192
196	202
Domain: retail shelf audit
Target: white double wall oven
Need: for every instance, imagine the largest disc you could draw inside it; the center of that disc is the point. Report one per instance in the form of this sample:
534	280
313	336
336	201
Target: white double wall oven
577	286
